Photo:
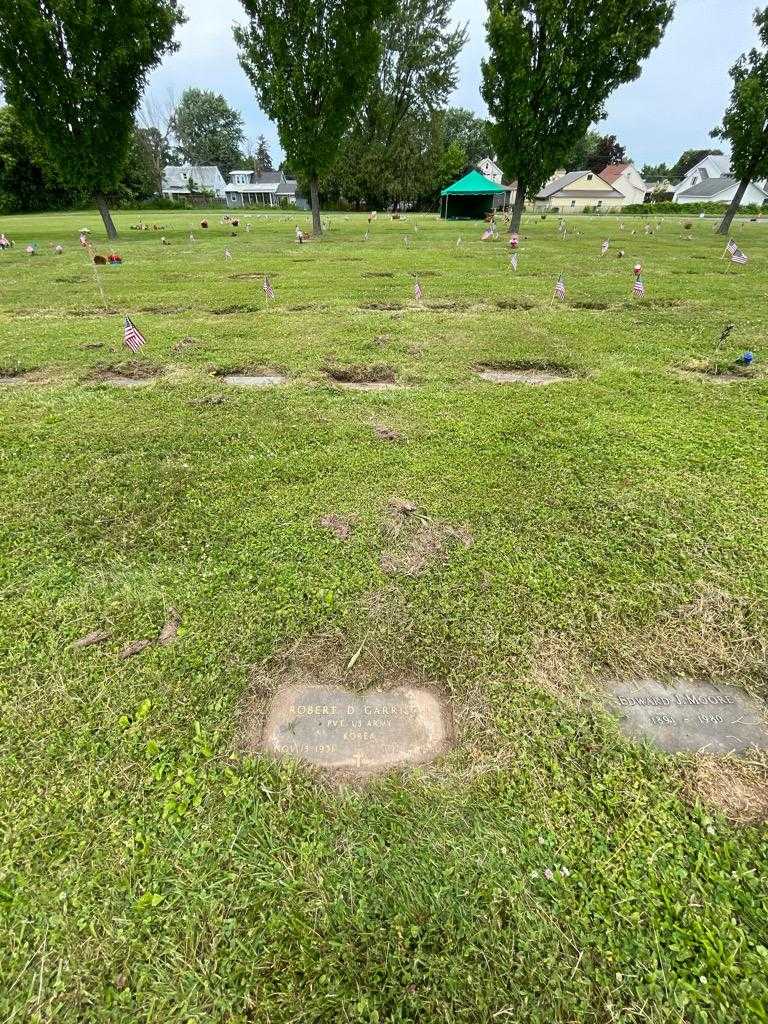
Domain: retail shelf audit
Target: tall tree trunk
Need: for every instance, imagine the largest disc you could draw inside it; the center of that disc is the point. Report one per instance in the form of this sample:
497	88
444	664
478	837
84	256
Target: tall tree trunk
314	196
518	207
101	206
730	213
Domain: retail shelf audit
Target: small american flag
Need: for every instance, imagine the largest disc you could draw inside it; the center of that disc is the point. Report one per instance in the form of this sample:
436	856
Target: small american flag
458	241
487	234
560	288
639	288
365	237
417	291
227	254
132	336
737	256
513	261
268	289
604	247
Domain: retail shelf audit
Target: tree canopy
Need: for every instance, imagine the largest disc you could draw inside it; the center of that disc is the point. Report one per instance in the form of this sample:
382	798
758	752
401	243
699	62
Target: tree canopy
393	147
551	67
311	63
74	73
207	130
470	132
745	122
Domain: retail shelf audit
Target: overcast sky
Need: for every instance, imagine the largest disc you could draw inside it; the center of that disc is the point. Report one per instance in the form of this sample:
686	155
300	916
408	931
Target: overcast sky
679	97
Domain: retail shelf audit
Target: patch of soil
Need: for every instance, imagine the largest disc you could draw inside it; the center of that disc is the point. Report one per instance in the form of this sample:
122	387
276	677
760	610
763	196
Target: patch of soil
97	636
514	304
426	273
255	275
737	787
305	307
378	377
341	528
535	373
589	305
382	340
164	310
93	345
256	378
208	400
415	542
378	273
12	375
170	629
349	259
446	304
126	375
133	648
235	308
93	311
721	373
386	306
387	433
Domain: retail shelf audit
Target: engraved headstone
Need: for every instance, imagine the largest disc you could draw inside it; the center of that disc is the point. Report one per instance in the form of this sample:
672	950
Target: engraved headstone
334	728
690	716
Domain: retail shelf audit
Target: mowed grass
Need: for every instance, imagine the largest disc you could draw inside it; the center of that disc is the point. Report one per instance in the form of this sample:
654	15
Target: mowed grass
547	869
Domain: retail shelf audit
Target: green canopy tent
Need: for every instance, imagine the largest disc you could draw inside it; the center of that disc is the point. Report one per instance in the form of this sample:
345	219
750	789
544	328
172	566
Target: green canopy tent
470	198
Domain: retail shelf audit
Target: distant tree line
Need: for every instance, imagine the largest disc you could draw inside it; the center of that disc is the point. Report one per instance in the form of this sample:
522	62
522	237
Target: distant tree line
357	89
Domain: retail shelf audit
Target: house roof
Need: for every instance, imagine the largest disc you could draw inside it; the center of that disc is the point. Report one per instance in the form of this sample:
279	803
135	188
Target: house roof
713	187
722	163
613	172
203	177
473	184
561	185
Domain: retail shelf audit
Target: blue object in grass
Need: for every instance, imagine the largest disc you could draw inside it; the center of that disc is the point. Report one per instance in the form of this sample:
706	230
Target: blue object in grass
747	358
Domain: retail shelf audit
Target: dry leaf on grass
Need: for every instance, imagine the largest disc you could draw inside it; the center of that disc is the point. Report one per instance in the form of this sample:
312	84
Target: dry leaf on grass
98	636
168	633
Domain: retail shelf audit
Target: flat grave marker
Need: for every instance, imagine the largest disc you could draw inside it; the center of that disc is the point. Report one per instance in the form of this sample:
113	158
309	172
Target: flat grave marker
690	716
334	728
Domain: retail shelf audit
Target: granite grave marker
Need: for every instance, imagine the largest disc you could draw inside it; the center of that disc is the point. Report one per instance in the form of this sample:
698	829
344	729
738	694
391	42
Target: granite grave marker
334	728
690	716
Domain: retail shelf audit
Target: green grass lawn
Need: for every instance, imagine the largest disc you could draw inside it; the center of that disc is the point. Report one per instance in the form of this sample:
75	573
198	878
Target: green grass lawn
547	869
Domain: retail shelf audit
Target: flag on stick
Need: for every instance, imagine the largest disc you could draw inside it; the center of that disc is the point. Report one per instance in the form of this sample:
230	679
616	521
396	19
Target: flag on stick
227	254
132	336
604	247
560	289
487	235
639	288
737	256
268	289
513	260
417	291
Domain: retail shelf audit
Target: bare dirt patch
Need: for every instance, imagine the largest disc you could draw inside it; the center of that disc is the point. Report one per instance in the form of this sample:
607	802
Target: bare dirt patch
446	304
377	377
164	310
13	376
131	374
533	373
737	787
721	373
93	311
255	275
235	308
387	433
415	542
378	273
589	305
367	307
515	304
341	528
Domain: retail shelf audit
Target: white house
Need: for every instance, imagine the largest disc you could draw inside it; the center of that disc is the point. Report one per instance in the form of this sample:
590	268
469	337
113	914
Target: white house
491	170
721	190
578	191
627	180
187	180
247	188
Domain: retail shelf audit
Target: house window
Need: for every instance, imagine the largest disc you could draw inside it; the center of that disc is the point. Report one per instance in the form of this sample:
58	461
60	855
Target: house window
589	177
599	202
573	203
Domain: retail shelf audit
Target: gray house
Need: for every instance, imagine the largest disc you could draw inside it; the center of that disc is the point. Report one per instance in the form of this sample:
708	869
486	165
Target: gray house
188	180
269	188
